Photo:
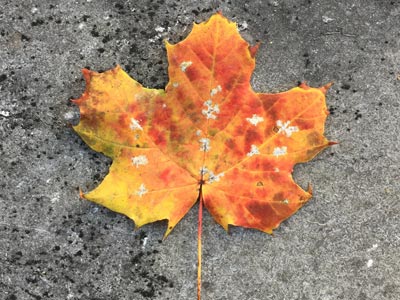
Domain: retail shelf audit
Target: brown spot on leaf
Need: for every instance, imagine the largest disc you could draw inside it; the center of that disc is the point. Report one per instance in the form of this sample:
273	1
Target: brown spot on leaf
252	137
279	196
263	214
230	143
314	138
192	73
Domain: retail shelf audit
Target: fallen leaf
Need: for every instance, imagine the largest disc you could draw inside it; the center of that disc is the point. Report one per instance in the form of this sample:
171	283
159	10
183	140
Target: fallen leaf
207	136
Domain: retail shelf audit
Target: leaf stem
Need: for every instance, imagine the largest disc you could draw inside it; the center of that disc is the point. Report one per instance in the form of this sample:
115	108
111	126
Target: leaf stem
199	234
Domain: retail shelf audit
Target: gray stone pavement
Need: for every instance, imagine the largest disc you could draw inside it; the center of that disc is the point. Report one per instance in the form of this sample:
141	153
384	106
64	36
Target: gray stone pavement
344	244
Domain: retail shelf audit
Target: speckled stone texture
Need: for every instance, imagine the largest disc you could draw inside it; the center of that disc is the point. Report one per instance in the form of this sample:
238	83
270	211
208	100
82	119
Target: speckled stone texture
344	244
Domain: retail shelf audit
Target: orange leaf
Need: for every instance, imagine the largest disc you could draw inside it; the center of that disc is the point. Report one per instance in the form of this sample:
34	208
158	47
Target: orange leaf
207	134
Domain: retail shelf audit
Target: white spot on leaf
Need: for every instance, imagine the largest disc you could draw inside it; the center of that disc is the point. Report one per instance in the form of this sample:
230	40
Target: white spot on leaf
284	128
279	151
213	177
211	110
254	120
139	160
276	170
203	171
253	151
142	190
135	125
184	65
175	84
215	91
285	201
198	132
205	144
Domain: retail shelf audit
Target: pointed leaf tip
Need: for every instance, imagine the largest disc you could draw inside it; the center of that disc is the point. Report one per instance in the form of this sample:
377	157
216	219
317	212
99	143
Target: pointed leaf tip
254	49
326	87
304	85
116	69
81	194
309	189
169	230
86	74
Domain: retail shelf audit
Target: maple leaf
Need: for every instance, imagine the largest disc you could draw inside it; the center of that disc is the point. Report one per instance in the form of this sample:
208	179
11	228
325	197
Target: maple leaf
207	136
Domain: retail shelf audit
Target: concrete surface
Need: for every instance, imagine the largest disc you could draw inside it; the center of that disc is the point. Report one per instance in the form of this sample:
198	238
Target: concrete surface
344	244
